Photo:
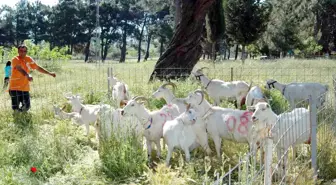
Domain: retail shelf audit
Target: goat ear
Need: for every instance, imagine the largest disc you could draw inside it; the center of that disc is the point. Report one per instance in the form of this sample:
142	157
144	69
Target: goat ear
188	107
123	103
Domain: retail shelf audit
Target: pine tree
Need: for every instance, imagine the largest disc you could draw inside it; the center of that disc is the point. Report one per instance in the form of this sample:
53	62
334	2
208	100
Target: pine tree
246	20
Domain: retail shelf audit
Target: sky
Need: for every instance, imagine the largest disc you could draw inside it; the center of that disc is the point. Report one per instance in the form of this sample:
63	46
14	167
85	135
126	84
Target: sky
13	2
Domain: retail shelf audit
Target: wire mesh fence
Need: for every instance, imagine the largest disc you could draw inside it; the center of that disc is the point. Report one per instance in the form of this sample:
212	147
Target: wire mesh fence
88	79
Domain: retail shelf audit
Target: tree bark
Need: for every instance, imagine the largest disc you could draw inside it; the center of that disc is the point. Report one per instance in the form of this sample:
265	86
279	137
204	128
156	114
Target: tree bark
178	9
328	28
317	25
213	51
243	54
87	50
105	51
224	53
184	49
123	47
140	39
149	38
229	50
102	49
161	45
236	56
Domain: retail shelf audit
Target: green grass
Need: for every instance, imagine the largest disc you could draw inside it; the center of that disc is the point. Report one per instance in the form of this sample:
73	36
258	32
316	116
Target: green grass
62	155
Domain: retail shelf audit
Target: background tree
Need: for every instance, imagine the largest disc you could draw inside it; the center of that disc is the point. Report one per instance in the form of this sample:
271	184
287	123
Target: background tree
246	21
87	14
109	23
7	27
38	18
176	30
67	23
184	49
22	22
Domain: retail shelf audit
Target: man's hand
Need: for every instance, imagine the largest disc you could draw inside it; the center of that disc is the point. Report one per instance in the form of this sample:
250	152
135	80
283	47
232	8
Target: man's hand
52	74
30	78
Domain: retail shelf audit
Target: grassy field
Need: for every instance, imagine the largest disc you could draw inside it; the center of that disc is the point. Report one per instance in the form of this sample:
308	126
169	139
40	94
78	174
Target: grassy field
62	155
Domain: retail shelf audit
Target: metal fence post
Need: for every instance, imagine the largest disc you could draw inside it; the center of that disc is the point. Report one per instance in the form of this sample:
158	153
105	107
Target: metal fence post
230	175
231	74
313	122
268	160
334	88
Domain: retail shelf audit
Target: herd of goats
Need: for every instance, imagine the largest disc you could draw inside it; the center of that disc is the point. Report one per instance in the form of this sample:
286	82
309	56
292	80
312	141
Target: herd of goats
186	122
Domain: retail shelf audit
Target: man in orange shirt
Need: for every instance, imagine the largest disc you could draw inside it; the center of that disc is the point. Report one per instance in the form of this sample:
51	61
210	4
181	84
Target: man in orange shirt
19	81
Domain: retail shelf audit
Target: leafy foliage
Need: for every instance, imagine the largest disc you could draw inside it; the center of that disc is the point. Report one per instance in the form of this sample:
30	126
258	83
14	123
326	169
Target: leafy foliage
246	21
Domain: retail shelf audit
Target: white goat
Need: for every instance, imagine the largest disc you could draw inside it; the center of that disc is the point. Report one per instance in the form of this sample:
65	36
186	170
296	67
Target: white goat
113	80
254	96
152	122
65	115
169	97
231	124
111	121
300	91
199	129
288	129
218	89
120	91
88	113
179	133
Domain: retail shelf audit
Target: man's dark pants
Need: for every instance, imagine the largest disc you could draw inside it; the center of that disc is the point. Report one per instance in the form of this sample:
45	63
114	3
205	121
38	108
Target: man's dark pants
18	97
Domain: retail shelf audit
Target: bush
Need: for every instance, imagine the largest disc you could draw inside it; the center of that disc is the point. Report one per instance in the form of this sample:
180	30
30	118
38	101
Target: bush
123	159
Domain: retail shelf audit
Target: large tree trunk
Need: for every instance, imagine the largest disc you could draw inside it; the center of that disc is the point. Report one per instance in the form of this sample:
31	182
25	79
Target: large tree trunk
161	45
178	10
102	49
123	47
149	38
243	54
214	27
71	50
317	25
184	49
236	56
107	46
140	39
328	27
213	51
229	50
87	50
325	37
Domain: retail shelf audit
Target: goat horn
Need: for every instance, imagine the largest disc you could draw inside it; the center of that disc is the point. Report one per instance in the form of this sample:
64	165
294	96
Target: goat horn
188	107
202	94
250	86
201	69
169	83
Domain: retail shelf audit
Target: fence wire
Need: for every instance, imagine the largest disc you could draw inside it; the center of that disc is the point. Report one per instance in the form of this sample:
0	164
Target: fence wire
88	79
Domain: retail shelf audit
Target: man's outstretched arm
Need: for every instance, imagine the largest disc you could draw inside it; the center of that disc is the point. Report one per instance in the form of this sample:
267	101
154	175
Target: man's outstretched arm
44	71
